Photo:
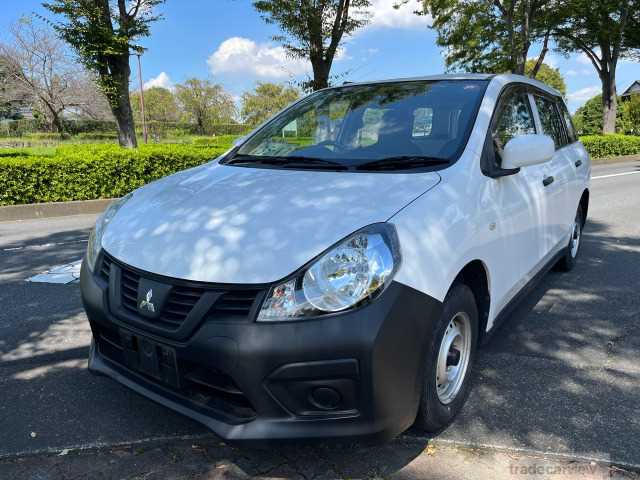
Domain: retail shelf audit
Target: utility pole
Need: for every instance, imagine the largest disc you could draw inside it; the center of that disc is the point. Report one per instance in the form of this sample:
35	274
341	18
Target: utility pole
144	120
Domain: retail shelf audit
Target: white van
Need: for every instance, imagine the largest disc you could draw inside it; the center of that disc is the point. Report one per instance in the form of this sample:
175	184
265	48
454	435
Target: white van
333	274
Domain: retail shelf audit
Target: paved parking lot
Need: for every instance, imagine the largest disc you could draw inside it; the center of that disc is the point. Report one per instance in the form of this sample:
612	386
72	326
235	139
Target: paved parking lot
562	376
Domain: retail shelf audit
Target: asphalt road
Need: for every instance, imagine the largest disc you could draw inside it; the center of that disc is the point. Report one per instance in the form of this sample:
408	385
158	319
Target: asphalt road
561	376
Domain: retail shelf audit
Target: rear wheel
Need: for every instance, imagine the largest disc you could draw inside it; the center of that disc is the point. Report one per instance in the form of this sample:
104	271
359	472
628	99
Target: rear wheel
568	260
450	357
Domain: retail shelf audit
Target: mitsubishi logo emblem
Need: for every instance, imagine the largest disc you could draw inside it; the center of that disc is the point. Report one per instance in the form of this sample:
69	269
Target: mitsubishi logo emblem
148	304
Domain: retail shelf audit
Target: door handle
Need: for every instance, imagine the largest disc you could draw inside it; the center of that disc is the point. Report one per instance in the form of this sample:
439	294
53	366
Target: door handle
578	163
547	181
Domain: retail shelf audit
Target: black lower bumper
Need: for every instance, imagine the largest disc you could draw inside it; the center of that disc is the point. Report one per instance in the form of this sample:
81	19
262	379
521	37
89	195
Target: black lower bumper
356	374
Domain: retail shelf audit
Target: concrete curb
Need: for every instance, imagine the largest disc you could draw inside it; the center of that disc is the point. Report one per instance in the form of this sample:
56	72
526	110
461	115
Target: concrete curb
49	210
612	160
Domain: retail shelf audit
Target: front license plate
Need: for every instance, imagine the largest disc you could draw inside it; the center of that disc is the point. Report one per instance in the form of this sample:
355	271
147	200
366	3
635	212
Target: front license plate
150	358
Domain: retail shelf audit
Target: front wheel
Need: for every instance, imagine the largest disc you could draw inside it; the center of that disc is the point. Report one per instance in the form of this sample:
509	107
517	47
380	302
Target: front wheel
568	260
450	356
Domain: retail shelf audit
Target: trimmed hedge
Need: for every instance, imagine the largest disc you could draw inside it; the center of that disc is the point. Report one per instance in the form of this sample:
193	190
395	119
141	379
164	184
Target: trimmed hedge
215	140
86	172
614	145
91	171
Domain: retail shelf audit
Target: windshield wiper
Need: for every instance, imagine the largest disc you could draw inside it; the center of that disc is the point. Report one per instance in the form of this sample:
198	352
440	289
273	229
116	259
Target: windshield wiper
402	162
289	161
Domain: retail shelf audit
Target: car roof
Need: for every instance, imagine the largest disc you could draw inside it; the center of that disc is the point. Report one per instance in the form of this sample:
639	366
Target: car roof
502	78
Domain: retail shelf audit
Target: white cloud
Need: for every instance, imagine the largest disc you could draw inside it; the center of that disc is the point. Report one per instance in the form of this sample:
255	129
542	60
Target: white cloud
162	80
551	60
383	15
242	55
584	94
579	72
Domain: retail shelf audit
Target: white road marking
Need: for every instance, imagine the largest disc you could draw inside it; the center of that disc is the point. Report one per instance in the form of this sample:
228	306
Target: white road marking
614	175
99	445
42	245
61	274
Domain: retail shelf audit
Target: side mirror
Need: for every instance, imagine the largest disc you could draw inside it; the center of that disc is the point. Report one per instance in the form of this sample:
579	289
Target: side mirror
524	150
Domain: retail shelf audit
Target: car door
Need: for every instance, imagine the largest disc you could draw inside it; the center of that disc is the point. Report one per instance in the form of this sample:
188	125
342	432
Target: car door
559	174
519	201
577	157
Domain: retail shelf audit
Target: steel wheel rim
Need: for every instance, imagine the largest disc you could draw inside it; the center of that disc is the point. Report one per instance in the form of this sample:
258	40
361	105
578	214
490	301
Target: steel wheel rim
453	358
575	238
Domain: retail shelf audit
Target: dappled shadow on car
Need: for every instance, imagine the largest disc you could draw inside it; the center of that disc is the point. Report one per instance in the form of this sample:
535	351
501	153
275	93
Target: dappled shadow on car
562	374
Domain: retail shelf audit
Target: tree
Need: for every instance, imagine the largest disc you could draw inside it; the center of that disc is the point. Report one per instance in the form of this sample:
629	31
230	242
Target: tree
204	103
159	105
604	31
491	35
588	118
267	100
11	99
104	34
313	29
40	71
629	115
546	74
91	103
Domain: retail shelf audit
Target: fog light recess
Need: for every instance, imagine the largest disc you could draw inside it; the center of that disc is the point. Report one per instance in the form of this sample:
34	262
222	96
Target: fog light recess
325	398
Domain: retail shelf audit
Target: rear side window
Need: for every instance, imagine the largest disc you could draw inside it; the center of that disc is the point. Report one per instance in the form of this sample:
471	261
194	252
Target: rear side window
571	131
514	118
550	120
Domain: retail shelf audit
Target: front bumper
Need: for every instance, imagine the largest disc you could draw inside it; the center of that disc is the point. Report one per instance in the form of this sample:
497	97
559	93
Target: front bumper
356	374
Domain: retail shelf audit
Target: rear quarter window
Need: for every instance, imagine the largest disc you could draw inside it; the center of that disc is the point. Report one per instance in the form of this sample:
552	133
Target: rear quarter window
568	123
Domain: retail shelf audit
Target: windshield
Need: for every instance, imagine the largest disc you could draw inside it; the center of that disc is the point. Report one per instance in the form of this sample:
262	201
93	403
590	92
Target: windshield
412	123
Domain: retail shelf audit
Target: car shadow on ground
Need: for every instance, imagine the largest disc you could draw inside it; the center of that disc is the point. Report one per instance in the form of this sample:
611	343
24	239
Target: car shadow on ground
562	374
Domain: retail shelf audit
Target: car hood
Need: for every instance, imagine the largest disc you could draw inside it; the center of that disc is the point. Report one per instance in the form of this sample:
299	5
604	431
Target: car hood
227	224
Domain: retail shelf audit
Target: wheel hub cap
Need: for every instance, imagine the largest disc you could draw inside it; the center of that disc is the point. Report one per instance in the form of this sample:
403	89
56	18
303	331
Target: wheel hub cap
575	238
453	358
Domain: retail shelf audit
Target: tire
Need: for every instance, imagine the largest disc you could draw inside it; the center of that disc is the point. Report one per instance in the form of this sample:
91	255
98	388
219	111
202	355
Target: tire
439	405
572	250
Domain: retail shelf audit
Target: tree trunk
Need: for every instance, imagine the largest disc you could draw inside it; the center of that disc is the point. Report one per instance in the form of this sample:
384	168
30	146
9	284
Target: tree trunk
609	100
121	108
543	53
520	64
57	123
200	123
320	74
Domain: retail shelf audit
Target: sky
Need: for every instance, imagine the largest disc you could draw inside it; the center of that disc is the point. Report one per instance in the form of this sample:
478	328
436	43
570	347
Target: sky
228	42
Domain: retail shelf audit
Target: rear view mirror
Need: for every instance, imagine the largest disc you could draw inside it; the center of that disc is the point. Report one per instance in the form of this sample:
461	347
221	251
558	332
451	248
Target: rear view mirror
525	150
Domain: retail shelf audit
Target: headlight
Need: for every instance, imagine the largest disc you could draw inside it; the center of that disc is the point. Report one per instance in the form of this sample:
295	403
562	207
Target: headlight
95	237
358	268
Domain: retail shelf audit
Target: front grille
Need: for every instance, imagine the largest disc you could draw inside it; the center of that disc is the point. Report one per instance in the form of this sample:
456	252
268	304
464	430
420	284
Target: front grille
234	303
105	267
129	290
206	390
215	302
